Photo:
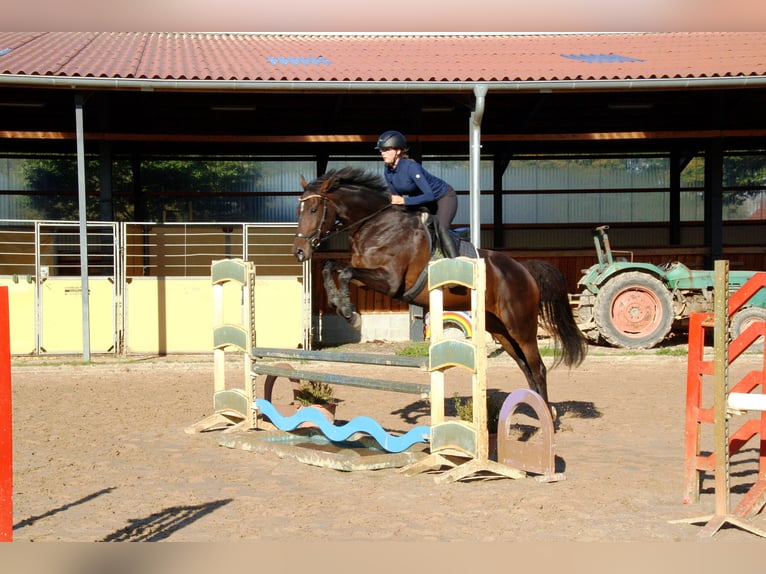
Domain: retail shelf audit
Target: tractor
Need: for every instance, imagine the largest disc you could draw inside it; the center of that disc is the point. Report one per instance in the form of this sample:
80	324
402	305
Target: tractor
636	305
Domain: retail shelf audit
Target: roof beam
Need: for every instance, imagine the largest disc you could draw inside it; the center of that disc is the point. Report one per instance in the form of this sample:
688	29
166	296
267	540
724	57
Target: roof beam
362	138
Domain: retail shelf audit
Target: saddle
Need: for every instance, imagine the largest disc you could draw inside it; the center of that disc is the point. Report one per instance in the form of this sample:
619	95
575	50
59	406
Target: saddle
446	243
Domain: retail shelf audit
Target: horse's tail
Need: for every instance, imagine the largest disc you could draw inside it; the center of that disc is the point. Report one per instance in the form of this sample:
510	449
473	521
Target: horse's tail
556	313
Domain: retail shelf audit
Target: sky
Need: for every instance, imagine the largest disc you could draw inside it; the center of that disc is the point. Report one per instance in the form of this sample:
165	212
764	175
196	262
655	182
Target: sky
386	16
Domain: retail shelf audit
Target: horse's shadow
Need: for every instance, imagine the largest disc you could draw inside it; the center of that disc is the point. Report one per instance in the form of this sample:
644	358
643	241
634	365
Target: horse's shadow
578	410
414	412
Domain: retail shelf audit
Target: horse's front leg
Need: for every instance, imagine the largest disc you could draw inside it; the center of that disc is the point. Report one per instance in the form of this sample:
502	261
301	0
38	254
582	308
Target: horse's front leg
339	296
329	283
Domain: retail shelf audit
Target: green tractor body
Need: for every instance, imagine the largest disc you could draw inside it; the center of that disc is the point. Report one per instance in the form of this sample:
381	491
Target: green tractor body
628	304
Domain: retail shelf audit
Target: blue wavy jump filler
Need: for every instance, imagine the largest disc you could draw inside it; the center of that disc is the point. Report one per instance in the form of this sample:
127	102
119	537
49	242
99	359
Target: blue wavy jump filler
340	433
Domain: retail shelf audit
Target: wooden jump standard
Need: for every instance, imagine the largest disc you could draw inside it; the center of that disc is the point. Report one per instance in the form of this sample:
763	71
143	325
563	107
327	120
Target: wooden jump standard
234	407
462	446
727	403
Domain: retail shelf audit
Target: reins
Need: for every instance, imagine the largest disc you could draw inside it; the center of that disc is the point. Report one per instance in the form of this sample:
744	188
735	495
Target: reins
315	238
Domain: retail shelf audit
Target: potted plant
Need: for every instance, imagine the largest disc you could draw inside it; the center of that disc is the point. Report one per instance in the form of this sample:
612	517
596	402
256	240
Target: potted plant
464	411
313	394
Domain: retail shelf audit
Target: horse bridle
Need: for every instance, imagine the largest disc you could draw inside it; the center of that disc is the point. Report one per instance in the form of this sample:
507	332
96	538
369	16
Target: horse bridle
314	238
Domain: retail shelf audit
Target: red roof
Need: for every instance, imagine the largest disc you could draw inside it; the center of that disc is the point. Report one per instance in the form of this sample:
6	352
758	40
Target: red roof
430	58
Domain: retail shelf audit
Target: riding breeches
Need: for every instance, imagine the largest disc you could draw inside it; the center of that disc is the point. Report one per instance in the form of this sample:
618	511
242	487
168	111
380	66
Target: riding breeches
447	208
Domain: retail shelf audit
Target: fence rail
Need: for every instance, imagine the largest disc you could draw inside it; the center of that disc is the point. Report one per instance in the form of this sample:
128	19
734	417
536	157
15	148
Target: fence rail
32	252
43	258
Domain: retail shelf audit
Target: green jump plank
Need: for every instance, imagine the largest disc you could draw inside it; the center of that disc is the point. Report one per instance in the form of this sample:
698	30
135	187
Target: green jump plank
229	270
361	358
454	435
331	378
456	271
452	353
230	335
231	399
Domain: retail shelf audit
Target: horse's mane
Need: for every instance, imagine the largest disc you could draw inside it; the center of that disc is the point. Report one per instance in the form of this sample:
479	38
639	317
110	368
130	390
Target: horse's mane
357	180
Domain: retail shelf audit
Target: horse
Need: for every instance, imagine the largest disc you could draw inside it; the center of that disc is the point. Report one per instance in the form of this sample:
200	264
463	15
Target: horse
390	252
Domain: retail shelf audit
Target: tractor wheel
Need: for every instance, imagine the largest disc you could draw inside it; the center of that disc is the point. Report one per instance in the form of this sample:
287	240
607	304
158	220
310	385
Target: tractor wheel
634	311
744	318
584	316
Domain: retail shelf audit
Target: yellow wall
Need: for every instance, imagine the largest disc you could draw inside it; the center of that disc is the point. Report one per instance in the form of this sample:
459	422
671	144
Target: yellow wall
21	304
62	315
278	313
176	315
161	315
168	315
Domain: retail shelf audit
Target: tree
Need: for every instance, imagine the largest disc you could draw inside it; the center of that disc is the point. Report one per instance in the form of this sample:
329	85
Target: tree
165	186
55	183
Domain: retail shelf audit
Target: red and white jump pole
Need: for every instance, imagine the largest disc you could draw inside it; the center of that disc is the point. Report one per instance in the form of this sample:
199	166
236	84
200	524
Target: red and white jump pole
6	427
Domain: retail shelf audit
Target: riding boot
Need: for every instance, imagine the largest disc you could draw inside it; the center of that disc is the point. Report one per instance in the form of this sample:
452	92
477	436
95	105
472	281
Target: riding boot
448	242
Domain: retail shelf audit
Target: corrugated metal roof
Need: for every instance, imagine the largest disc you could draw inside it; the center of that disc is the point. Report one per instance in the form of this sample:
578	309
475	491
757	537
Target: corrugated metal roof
383	58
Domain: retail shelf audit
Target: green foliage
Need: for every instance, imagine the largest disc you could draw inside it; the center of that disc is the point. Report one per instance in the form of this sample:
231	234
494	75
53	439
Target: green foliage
672	352
314	393
165	186
417	349
58	177
464	410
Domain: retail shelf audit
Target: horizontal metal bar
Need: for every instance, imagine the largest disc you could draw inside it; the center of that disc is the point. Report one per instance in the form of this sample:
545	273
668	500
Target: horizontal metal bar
350	381
339	357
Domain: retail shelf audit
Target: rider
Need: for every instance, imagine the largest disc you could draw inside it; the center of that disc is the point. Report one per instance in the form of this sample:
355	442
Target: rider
413	186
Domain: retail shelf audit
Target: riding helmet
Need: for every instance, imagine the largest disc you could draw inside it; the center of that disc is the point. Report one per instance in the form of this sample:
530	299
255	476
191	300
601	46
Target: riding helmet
392	138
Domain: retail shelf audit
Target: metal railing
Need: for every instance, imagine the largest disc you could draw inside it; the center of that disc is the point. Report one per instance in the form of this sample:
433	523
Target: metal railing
34	252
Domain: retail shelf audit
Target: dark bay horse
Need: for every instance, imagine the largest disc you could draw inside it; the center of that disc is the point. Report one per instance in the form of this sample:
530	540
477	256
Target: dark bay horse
390	248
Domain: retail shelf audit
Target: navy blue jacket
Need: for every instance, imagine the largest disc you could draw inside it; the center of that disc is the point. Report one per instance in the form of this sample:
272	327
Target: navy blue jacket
414	183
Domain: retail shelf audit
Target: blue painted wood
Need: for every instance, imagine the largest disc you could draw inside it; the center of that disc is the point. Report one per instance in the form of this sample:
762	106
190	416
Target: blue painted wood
367	425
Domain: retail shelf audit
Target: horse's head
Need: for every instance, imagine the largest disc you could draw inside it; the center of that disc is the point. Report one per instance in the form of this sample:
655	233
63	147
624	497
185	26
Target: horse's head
337	200
317	215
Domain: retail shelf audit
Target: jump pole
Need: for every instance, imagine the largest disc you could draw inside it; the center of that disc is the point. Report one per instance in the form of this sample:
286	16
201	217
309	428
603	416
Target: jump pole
6	423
